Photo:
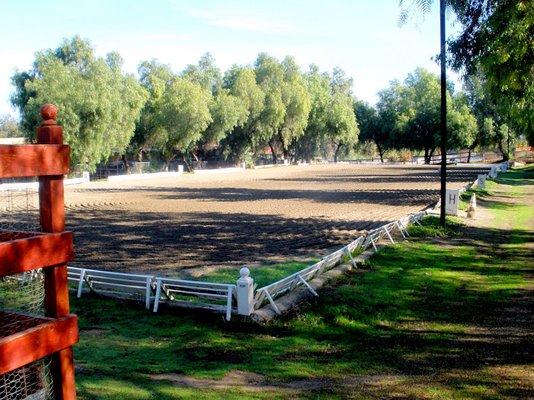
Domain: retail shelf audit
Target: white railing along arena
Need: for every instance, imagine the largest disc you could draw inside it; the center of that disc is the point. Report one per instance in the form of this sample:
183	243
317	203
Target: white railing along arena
115	284
204	293
241	297
223	297
151	288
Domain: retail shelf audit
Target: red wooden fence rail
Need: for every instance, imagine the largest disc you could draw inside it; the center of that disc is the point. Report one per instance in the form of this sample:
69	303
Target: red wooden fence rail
49	249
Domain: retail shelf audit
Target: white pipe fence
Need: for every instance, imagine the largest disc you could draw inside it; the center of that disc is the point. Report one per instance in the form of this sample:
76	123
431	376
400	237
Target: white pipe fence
154	289
204	294
242	296
302	278
225	297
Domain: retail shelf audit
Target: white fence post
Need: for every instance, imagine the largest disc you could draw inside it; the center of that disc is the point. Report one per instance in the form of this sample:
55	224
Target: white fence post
481	181
148	289
80	283
245	292
452	197
158	295
86	176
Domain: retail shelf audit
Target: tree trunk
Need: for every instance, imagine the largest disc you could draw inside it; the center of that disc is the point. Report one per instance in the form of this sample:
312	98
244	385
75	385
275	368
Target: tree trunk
469	156
505	155
337	151
286	154
273	153
380	152
427	156
168	161
125	163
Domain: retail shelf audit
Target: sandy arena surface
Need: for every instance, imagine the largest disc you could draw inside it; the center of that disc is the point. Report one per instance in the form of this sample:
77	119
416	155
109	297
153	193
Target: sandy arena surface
180	226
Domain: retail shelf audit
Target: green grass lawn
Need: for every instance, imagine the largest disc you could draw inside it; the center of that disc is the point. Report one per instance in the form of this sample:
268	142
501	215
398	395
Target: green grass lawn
446	317
263	275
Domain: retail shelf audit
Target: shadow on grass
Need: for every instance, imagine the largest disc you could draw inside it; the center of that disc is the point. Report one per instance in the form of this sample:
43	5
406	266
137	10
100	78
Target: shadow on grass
263	274
450	311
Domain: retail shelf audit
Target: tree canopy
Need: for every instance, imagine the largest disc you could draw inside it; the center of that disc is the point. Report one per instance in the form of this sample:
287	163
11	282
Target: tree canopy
99	104
9	127
266	109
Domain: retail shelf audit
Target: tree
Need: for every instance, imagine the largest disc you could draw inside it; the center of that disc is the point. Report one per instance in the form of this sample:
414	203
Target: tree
462	123
270	78
150	133
319	91
297	104
418	121
241	83
98	104
496	41
183	116
341	126
493	128
9	127
205	73
226	110
373	127
424	5
417	109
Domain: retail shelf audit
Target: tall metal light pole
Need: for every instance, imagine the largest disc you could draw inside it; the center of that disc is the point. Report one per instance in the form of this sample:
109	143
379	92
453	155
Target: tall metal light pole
443	122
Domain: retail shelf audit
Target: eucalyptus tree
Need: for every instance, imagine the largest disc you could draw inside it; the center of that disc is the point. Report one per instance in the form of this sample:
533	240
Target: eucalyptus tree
240	82
341	127
297	103
183	117
270	78
150	133
373	127
98	104
9	127
319	90
226	110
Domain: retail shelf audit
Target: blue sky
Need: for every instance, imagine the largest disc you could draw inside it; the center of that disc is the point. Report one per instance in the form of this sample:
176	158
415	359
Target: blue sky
360	36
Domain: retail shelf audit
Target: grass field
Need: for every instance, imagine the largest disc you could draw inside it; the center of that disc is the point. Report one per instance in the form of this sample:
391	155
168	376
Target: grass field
445	317
273	220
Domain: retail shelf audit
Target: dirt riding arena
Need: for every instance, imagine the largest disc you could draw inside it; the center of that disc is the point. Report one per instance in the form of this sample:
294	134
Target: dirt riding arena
182	225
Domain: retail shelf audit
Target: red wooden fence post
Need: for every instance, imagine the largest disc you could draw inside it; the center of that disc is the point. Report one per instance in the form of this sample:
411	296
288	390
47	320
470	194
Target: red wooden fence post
52	215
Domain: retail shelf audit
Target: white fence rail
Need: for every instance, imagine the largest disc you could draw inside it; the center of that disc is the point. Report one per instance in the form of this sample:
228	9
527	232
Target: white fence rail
114	284
152	289
229	298
195	294
223	297
302	278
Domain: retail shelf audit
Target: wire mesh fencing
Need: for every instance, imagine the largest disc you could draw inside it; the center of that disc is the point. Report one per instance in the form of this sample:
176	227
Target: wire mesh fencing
22	295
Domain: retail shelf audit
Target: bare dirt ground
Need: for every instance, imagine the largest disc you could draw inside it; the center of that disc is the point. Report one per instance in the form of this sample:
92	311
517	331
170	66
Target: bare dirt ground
172	226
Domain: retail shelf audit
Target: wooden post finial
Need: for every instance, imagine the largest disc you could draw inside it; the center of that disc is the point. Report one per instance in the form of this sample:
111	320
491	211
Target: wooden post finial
49	114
